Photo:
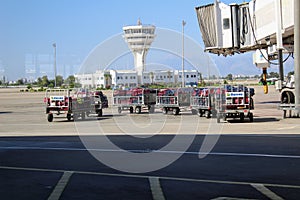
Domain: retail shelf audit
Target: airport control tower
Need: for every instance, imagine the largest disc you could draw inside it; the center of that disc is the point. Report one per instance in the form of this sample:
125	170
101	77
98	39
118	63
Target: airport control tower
139	38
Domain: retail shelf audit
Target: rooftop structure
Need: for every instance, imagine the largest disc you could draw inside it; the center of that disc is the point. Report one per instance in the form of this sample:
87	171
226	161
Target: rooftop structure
139	38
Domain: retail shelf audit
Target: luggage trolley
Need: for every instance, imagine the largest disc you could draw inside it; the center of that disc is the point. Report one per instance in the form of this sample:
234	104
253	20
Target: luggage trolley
201	102
238	103
174	99
58	101
135	99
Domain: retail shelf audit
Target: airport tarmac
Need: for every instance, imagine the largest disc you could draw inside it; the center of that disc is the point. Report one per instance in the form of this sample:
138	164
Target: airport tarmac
23	113
222	161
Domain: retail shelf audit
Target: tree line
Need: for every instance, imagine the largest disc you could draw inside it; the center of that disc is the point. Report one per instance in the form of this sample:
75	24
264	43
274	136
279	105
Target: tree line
44	81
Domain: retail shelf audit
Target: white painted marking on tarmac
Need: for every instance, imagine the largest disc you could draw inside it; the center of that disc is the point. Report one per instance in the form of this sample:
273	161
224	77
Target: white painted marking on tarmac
59	188
156	151
156	189
271	195
147	177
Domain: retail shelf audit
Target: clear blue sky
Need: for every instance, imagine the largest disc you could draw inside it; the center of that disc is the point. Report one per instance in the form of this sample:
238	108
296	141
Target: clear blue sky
77	26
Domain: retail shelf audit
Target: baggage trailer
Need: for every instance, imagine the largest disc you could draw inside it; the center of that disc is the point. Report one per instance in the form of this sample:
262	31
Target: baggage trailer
135	99
174	99
202	102
58	101
73	103
238	103
82	104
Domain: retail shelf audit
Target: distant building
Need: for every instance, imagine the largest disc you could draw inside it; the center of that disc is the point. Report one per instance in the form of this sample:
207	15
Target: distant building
129	78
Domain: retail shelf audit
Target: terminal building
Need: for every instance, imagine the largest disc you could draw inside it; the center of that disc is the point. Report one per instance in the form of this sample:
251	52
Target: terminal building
129	78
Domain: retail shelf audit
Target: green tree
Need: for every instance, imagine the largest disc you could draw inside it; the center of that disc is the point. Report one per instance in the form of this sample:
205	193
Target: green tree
107	78
273	75
59	80
291	73
20	82
229	77
45	81
39	82
70	81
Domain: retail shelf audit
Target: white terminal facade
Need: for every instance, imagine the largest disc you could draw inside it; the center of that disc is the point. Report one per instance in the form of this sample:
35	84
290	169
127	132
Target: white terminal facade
139	39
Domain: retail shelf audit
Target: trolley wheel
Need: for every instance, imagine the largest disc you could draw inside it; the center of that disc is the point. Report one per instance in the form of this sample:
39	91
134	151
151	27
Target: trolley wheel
50	117
200	113
242	117
138	109
131	109
251	117
207	114
69	117
100	113
176	111
119	110
224	117
165	111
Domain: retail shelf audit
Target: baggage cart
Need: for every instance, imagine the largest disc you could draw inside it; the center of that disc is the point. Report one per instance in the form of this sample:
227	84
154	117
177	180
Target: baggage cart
135	100
202	102
174	99
238	103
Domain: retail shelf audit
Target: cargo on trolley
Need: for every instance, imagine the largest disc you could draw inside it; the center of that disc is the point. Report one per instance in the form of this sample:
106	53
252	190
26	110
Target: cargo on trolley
135	100
174	99
237	103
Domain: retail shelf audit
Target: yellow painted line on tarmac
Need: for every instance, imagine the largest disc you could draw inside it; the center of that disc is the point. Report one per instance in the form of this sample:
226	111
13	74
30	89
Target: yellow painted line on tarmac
156	189
59	188
267	192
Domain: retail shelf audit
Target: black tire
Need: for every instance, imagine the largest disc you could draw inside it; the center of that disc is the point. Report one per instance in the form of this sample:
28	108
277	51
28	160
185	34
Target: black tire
50	117
131	109
200	113
138	109
176	111
119	110
69	117
242	117
251	117
100	113
224	117
207	114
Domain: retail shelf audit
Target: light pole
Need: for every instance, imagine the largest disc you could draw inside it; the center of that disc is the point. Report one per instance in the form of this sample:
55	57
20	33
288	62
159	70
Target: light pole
183	81
54	46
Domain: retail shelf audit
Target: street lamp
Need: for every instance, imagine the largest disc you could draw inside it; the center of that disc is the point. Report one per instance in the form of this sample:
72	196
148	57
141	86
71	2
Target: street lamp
54	46
183	81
